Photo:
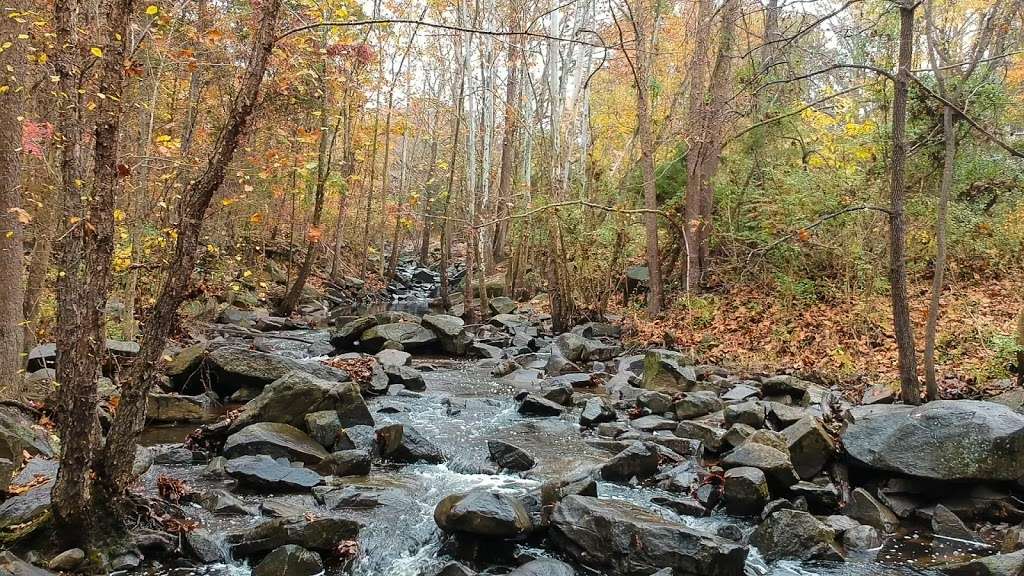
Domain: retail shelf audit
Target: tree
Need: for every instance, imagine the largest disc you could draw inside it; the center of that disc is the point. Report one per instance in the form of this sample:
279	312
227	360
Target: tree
904	330
13	216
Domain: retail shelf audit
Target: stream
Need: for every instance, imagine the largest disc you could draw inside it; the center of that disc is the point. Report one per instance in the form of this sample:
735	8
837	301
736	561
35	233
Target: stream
463	407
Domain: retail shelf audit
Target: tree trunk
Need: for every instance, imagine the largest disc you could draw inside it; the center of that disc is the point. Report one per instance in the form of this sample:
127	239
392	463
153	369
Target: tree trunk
114	470
904	330
12	251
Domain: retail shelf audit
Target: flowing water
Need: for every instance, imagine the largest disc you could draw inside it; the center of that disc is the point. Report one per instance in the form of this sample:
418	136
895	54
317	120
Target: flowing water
462	408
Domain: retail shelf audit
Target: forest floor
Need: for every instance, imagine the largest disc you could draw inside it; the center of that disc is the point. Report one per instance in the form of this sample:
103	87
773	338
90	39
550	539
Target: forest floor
847	340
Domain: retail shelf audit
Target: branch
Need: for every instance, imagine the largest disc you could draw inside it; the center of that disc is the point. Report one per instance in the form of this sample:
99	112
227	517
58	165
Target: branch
451	27
813	225
799	110
671	220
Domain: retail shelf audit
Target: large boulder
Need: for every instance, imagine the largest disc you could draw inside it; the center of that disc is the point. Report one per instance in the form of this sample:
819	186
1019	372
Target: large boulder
810	446
622	539
235	367
794	534
944	440
289	560
350	332
288	399
483	513
663	371
410	335
639	459
997	565
163	408
414	448
314	532
544	567
266	473
775	464
746	491
509	456
450	331
275	440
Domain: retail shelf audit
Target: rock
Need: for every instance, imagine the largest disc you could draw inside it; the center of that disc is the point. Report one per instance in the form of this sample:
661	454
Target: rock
11	565
775	464
841	523
20	434
558	365
878	394
415	448
345	463
602	534
639	460
751	413
393	358
408	377
536	406
274	440
597	351
944	440
22	513
483	513
289	560
357	498
163	408
652	423
557	391
596	411
509	456
569	346
822	497
410	335
502	305
997	565
323	426
288	399
455	569
864	508
67	560
265	472
862	537
741	392
769	438
810	446
320	533
544	567
793	534
697	404
350	332
737	434
684	506
206	547
484	350
221	501
783	415
711	437
663	372
450	331
946	523
236	367
654	402
746	491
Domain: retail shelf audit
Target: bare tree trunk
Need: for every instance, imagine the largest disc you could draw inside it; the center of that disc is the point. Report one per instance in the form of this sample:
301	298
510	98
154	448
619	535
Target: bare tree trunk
38	265
904	330
697	74
504	201
445	288
114	470
12	250
428	203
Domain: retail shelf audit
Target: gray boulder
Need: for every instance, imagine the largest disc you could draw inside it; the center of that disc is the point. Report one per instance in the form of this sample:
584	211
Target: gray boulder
638	460
164	408
450	331
289	560
596	411
509	456
810	446
483	513
794	534
697	404
774	463
275	440
288	399
264	472
866	509
350	332
323	426
236	367
410	335
997	565
320	533
663	371
746	491
603	535
544	567
710	436
502	305
345	463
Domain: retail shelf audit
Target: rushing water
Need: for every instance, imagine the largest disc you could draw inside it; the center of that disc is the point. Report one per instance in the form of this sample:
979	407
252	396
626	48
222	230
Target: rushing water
463	408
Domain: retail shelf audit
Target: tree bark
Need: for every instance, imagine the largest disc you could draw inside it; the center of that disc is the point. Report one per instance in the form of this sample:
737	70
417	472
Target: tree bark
904	330
114	470
12	251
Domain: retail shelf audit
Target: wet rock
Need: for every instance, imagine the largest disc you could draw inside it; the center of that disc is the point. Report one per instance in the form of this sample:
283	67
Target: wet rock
450	331
662	371
284	506
601	534
697	404
751	413
410	335
205	547
288	399
864	508
345	463
350	332
683	505
745	490
275	440
792	534
710	436
67	560
596	411
862	537
408	377
639	460
841	523
943	440
358	498
775	464
822	497
320	533
682	478
267	473
163	408
544	567
323	426
997	565
483	513
455	569
557	391
236	367
415	448
946	523
509	456
654	402
652	423
536	406
289	560
810	446
221	501
484	350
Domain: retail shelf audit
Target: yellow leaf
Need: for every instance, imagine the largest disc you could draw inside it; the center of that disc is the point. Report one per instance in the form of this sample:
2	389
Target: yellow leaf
42	58
256	218
95	50
152	10
118	215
